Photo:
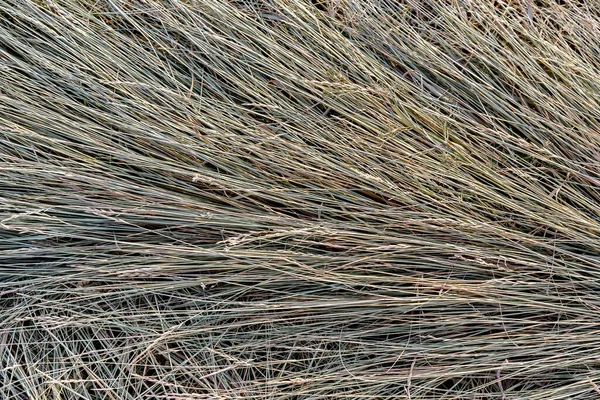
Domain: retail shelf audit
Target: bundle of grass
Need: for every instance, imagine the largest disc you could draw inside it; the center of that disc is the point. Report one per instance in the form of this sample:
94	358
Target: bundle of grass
336	199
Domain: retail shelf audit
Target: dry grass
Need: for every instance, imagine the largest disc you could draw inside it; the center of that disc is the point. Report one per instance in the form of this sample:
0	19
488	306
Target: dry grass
343	199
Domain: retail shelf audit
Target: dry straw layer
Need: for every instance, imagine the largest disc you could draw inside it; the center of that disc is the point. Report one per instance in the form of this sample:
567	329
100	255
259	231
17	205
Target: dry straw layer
283	199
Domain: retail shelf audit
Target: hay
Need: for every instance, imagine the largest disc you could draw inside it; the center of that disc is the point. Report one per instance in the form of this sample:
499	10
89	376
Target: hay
342	199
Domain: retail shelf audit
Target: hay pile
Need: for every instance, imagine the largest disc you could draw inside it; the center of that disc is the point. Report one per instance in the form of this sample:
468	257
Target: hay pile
285	199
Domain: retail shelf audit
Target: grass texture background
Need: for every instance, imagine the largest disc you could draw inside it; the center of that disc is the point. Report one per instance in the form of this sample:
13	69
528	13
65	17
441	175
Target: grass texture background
336	199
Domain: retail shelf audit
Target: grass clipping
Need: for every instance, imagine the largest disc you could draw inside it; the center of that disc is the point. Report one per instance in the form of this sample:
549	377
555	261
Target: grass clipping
282	199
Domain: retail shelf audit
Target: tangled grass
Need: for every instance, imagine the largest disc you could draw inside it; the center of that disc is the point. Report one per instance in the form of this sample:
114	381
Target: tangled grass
285	199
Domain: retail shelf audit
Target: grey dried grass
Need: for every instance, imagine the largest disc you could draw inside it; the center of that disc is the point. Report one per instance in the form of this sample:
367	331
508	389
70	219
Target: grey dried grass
336	199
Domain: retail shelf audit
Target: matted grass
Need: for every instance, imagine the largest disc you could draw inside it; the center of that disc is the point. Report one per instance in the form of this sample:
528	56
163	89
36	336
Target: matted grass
343	199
